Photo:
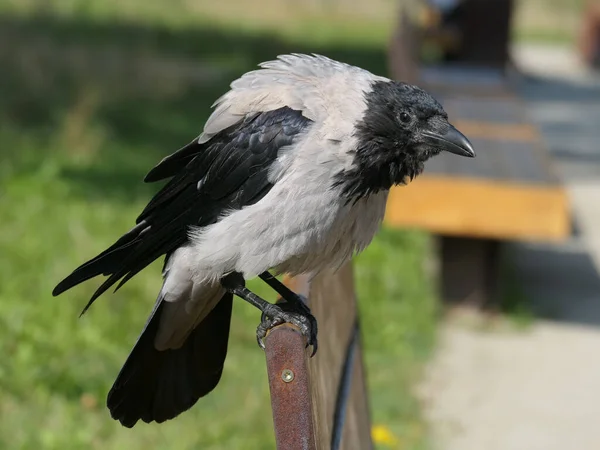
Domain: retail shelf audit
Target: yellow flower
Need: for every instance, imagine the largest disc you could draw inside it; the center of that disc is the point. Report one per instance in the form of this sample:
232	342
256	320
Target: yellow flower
383	435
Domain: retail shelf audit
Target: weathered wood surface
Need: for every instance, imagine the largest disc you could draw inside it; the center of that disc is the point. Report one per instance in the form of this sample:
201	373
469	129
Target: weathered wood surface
511	132
509	162
339	405
333	301
509	147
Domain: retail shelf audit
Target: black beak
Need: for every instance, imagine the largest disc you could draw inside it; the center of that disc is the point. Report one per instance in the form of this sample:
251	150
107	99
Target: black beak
452	141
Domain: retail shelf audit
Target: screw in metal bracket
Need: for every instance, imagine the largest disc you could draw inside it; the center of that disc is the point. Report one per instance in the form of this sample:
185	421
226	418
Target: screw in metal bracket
287	375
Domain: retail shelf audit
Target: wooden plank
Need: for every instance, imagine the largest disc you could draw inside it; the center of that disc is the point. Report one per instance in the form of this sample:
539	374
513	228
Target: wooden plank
495	110
480	208
333	302
524	132
502	161
508	147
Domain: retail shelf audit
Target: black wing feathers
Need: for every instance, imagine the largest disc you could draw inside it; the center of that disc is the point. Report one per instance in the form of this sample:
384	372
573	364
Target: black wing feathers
170	165
228	172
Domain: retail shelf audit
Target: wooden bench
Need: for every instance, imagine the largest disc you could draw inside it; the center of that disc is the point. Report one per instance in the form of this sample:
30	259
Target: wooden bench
508	192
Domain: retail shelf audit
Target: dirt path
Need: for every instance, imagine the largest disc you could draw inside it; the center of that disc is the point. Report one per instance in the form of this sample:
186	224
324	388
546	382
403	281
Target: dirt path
533	390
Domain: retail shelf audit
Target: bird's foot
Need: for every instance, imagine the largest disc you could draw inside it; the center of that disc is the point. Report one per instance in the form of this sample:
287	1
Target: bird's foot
293	310
297	313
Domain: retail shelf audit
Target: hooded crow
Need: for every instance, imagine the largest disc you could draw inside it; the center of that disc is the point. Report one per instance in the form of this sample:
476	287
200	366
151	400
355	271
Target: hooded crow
291	174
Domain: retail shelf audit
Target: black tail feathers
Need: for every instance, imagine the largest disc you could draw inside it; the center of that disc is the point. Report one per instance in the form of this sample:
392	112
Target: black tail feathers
156	386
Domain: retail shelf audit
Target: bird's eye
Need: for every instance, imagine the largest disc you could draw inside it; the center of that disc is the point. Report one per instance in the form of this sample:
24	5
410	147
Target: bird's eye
404	117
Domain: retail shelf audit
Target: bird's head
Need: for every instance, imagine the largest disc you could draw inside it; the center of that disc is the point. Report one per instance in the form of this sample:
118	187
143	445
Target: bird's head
402	127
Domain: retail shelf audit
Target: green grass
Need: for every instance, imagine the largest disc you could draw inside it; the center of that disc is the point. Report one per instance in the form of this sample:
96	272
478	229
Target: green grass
88	104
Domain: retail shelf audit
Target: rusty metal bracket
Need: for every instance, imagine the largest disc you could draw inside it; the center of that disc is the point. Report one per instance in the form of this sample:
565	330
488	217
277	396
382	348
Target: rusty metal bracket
285	350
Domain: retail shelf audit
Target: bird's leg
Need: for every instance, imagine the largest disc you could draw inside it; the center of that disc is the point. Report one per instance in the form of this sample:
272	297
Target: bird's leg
286	293
293	302
274	315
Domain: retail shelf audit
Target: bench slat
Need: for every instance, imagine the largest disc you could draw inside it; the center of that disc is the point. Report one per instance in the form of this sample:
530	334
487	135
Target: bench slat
480	208
504	161
496	110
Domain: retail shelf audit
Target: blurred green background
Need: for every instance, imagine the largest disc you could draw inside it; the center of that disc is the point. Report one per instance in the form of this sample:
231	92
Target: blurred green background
94	93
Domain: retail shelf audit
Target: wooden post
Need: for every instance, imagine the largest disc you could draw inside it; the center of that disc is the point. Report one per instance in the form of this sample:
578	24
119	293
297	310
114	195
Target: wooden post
589	36
403	52
338	401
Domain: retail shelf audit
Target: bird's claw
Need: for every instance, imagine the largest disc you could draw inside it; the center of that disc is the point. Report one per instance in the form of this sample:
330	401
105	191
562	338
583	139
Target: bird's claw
296	313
